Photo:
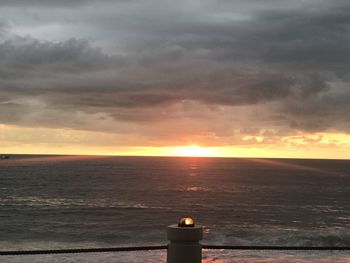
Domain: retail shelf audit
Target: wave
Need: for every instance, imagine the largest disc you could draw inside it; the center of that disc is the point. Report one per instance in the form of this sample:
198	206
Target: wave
337	237
34	201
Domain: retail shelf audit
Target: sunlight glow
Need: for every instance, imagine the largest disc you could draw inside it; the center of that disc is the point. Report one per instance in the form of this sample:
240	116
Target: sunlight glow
193	151
27	140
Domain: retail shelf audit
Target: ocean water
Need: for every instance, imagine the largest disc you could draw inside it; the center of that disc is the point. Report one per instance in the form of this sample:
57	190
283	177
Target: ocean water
52	202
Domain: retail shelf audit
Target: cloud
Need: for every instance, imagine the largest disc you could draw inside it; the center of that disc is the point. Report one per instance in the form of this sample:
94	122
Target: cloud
152	67
44	3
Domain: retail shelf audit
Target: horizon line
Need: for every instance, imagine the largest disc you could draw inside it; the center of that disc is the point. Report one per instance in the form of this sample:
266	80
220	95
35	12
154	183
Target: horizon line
175	156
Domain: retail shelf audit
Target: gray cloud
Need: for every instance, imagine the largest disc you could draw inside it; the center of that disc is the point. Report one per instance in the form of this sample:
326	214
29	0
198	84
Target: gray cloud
142	63
45	4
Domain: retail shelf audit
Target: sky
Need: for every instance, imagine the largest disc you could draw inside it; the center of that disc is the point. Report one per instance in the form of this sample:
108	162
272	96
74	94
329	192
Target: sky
255	78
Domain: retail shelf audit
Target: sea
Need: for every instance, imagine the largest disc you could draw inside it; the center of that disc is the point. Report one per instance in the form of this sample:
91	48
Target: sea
57	202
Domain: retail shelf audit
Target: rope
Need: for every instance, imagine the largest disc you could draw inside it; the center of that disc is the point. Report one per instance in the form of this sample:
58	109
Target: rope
78	250
274	247
148	248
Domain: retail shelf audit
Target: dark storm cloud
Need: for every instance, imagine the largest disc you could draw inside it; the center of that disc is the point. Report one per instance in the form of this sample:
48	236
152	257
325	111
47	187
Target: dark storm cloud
312	38
291	60
73	74
316	39
28	55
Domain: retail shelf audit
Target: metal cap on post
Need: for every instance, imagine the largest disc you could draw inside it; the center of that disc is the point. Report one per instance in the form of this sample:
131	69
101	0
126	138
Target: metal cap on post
184	246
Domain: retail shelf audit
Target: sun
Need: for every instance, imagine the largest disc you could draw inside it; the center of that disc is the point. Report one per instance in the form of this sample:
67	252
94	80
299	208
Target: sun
193	151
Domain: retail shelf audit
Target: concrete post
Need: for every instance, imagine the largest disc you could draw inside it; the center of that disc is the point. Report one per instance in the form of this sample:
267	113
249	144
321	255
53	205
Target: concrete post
184	246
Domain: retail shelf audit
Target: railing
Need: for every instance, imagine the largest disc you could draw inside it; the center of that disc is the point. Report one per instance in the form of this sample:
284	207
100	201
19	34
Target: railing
184	246
164	247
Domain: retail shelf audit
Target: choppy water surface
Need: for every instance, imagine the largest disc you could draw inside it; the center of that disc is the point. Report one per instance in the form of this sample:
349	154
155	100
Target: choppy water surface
72	201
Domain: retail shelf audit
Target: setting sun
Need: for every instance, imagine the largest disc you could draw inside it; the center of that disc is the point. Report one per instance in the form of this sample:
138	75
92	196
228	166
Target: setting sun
194	151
